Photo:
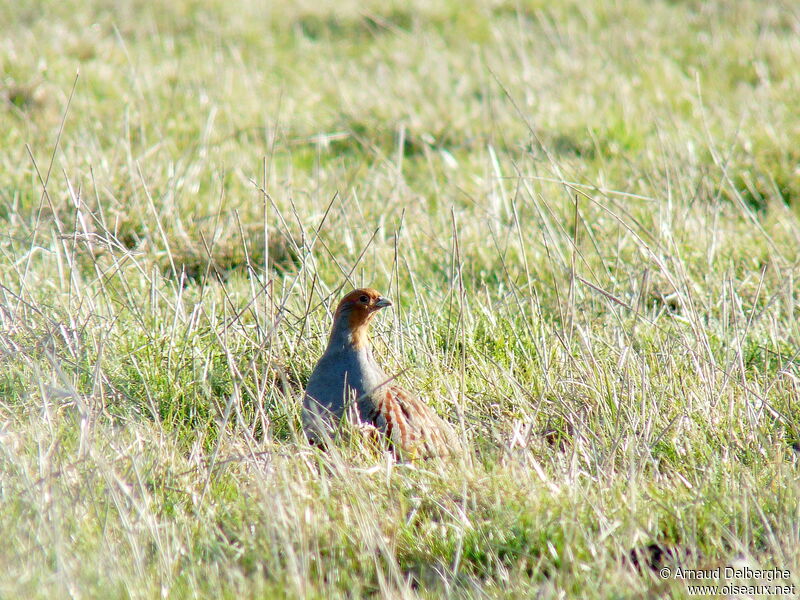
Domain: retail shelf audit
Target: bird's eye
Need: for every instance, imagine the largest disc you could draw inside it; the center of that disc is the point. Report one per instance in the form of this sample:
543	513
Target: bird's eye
364	299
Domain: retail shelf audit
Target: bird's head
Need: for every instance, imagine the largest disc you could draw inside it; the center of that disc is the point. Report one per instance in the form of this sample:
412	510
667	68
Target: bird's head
356	309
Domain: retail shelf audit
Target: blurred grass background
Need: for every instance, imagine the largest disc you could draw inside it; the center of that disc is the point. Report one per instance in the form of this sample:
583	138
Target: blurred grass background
586	214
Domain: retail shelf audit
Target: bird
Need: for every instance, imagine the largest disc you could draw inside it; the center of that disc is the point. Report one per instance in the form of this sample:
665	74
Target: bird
347	382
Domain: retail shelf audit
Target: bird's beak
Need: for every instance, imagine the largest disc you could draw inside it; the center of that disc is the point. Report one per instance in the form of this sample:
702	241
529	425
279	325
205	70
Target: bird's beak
382	302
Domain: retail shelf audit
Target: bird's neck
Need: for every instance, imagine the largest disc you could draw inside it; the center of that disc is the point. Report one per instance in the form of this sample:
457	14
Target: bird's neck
350	334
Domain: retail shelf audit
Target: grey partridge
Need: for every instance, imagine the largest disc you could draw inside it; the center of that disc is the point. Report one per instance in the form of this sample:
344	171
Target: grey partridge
348	382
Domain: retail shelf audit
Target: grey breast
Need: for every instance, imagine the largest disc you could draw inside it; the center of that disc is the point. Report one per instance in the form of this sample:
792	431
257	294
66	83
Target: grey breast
339	378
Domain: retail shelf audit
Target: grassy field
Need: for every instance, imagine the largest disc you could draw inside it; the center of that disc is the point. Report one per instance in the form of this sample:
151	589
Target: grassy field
586	214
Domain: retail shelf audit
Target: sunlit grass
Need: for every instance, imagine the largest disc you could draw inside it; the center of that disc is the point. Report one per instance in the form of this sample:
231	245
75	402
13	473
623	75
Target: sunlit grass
585	214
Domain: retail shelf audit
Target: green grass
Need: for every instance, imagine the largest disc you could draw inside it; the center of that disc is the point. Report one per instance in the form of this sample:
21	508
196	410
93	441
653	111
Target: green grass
585	213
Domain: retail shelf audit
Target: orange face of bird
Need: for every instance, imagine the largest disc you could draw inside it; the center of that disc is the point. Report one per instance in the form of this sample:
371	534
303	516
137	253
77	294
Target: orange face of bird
360	306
